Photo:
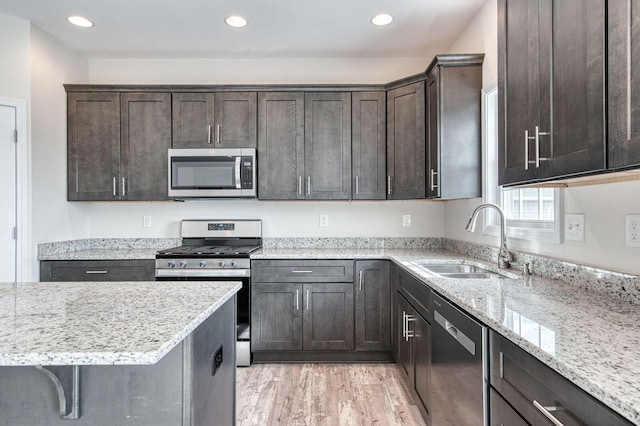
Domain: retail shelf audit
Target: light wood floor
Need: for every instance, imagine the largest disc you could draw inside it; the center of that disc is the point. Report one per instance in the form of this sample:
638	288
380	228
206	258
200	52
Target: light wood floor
323	394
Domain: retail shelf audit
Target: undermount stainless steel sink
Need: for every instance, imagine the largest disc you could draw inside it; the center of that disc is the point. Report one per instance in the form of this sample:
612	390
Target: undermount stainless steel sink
460	271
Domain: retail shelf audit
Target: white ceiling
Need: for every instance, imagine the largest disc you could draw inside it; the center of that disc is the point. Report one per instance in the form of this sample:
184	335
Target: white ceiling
277	28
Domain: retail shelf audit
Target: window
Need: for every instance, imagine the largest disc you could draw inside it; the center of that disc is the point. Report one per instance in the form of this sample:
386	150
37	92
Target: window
532	213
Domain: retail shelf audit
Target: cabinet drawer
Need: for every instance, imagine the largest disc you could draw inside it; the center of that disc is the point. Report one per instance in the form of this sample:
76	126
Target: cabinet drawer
302	271
529	386
501	413
97	270
416	292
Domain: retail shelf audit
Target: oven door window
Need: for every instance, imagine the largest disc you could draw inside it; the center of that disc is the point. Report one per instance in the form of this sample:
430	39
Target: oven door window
204	173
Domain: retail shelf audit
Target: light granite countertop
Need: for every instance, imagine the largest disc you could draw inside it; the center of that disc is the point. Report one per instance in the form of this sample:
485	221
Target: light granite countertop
590	338
102	323
103	254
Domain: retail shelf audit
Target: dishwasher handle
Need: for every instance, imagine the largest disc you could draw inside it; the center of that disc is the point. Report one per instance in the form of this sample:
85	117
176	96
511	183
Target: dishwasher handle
460	337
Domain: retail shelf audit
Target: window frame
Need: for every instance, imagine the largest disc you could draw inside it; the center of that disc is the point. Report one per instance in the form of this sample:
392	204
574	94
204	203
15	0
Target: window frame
529	230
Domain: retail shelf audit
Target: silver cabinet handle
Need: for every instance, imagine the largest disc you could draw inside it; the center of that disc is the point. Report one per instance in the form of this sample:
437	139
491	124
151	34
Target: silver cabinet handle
433	184
209	133
218	133
124	187
410	333
308	300
538	134
115	187
527	138
302	271
404	325
297	300
96	272
357	185
389	185
300	185
309	185
361	278
546	411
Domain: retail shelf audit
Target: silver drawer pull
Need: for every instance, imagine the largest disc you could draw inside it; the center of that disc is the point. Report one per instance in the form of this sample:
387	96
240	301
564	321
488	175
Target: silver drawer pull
361	278
546	411
308	300
96	272
410	333
218	133
209	133
297	300
115	187
302	271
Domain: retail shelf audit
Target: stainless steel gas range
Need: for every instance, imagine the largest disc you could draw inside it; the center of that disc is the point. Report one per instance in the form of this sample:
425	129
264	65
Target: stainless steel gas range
217	250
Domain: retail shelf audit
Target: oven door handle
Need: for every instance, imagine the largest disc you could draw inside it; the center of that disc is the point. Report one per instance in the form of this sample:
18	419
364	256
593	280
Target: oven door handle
219	273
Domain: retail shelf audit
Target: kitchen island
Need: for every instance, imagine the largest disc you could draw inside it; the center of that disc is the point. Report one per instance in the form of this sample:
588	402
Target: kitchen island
104	353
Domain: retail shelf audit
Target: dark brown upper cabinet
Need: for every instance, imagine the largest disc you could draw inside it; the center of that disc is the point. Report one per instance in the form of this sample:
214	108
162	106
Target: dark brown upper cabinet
406	142
551	83
454	150
218	120
624	95
327	141
368	146
117	146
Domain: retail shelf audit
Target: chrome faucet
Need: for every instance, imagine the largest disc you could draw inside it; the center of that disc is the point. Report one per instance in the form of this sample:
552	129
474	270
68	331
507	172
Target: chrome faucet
504	257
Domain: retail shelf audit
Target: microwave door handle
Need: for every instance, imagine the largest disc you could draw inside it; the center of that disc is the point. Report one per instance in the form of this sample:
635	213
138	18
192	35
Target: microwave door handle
238	182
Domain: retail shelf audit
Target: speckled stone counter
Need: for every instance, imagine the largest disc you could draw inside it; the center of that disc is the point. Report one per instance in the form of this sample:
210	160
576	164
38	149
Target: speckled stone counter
105	248
102	323
591	338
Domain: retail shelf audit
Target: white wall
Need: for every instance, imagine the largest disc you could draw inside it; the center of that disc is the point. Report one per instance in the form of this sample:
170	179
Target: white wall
604	206
14	45
253	71
52	64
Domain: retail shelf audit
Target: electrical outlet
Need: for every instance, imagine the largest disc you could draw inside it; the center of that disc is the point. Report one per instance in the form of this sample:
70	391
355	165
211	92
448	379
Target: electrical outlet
633	230
574	227
216	359
146	221
324	220
406	220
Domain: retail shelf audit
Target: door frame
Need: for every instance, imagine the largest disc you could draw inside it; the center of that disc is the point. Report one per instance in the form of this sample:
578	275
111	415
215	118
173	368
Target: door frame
23	189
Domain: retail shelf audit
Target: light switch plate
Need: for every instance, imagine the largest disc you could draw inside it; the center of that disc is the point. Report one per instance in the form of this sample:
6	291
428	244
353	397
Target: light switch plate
146	221
406	220
633	230
574	227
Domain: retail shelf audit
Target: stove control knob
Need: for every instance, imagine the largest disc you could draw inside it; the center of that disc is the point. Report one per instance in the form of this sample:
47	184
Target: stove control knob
234	263
203	264
183	263
171	264
221	264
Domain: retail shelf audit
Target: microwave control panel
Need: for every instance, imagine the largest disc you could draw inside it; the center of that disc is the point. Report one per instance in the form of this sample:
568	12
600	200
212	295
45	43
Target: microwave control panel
246	174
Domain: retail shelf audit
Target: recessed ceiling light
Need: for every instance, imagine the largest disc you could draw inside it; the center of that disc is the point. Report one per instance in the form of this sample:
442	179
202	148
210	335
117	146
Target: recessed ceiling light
80	21
382	19
236	21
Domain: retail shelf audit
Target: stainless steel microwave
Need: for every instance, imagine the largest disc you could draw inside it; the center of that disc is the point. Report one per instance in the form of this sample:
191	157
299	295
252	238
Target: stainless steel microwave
210	173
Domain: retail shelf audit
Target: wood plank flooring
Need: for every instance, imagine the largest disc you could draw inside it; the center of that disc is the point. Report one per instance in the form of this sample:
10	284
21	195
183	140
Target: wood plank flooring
323	394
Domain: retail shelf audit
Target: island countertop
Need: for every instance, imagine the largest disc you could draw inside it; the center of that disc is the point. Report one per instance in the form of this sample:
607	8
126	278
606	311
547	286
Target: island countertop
102	323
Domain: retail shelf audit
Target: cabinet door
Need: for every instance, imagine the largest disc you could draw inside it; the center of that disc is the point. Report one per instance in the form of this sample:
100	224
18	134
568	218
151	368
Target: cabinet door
280	146
276	316
422	362
518	88
369	146
328	317
93	146
572	40
406	142
236	119
405	355
623	92
327	140
145	140
372	305
193	121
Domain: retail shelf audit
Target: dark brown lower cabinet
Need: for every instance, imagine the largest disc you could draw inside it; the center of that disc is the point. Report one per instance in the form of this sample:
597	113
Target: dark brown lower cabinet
97	270
537	393
373	310
414	354
502	414
310	317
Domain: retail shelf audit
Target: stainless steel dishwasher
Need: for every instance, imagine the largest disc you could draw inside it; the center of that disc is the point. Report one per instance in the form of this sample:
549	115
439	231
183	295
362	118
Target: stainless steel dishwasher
458	386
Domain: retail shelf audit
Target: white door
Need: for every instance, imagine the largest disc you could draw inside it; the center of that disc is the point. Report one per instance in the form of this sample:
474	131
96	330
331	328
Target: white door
8	193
